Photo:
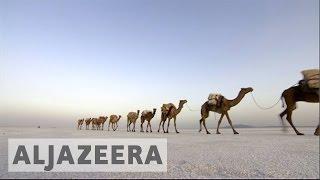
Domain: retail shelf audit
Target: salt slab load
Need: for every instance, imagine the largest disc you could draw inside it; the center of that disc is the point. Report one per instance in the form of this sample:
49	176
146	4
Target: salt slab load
312	77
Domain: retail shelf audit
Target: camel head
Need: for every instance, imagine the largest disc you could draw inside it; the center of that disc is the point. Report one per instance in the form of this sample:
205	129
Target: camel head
154	111
246	90
119	118
182	102
138	111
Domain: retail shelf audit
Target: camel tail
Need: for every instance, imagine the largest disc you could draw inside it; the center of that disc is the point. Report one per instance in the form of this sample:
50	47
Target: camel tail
282	100
283	97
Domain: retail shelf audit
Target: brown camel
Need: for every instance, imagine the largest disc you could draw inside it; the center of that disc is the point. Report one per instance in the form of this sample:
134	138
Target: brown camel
132	118
295	94
223	109
114	121
147	115
169	111
88	121
100	122
80	123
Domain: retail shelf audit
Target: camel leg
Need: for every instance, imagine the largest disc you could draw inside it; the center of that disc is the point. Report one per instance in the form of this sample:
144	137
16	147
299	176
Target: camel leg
134	127
128	125
317	131
200	121
109	126
163	126
147	127
204	116
204	124
141	127
115	127
150	126
229	120
289	119
175	125
284	127
160	125
219	122
168	125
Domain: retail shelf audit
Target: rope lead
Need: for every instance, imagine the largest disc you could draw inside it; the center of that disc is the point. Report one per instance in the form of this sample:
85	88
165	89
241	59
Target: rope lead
264	108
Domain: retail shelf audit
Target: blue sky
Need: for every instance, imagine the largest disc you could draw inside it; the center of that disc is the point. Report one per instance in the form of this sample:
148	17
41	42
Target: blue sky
62	60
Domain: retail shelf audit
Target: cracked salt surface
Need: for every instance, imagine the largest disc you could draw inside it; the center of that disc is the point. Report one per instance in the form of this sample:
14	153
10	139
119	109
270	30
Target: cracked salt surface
255	153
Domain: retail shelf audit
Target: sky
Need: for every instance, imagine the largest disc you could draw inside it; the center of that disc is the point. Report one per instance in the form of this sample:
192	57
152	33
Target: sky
65	60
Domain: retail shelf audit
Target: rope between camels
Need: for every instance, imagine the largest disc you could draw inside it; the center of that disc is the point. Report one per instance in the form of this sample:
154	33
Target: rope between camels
215	116
190	108
261	107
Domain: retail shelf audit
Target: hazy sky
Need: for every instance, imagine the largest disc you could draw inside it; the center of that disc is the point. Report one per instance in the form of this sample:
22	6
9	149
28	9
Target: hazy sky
63	60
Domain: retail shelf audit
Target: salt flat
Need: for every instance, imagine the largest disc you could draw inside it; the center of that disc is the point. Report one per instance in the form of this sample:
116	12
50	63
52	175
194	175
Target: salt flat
254	153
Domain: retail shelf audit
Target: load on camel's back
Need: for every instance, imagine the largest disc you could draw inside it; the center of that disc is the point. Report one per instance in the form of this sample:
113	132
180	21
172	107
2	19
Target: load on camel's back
215	99
312	78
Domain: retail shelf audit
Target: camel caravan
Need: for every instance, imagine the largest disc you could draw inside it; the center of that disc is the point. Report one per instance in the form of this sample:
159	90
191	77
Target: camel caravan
306	90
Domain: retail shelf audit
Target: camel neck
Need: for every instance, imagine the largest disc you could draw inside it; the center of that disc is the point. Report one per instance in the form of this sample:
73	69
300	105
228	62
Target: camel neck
179	108
237	100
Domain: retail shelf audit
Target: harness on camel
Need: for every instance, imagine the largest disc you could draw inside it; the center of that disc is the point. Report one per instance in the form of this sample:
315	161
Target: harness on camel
215	99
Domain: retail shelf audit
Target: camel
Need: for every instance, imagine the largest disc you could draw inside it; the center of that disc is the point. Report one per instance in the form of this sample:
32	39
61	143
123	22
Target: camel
293	95
132	118
147	115
80	123
94	123
100	122
226	105
114	121
169	111
88	121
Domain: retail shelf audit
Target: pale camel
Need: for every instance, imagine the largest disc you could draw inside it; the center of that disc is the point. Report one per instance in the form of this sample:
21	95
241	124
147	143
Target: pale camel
222	109
147	115
80	123
295	94
131	119
114	121
88	121
100	122
169	111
